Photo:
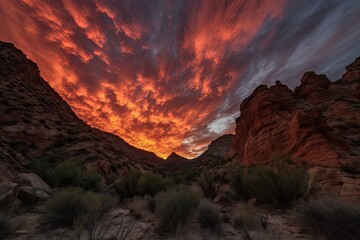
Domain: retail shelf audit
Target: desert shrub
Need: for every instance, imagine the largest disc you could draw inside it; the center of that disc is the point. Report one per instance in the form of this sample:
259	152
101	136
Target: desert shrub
151	183
65	206
184	177
278	187
330	218
70	204
209	216
152	205
174	208
91	181
69	174
126	186
5	227
239	183
41	168
246	218
226	218
208	186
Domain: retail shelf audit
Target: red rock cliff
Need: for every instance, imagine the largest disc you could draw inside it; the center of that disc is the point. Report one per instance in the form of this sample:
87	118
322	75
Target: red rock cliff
317	124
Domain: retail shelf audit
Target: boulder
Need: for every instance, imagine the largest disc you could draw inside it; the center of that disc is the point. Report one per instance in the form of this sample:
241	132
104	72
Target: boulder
32	187
8	193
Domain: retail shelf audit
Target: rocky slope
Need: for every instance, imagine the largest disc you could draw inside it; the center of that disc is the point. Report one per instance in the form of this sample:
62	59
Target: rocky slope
317	124
36	124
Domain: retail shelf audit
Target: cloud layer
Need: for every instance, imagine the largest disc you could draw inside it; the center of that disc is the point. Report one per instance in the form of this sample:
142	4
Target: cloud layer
169	75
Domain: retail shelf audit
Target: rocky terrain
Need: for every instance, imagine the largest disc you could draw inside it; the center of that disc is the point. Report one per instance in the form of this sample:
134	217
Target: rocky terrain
317	125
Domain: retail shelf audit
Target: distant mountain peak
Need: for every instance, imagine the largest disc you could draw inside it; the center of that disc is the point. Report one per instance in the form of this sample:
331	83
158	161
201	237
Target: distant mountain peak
175	157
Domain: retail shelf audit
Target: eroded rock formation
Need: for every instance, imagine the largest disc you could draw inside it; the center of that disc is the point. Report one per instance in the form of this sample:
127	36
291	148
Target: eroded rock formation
317	124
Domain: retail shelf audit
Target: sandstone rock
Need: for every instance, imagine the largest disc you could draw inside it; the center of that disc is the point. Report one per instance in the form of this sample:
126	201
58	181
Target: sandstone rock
8	193
317	124
31	180
353	71
32	187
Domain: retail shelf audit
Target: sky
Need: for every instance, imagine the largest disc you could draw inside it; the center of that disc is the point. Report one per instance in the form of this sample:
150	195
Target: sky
169	75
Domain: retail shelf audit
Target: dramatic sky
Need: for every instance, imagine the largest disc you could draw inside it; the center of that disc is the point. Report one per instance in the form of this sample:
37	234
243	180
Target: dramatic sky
169	75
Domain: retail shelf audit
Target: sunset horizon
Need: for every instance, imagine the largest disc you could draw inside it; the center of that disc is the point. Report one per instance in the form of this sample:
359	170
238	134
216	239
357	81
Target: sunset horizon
169	76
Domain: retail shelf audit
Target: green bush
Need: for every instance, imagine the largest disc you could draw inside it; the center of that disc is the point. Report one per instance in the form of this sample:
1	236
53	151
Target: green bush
151	183
5	227
174	208
70	204
278	187
209	216
239	183
184	177
330	218
91	181
278	184
69	174
127	185
41	169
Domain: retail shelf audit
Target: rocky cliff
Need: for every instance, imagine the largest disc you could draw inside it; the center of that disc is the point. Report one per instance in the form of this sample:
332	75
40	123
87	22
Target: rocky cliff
36	124
317	124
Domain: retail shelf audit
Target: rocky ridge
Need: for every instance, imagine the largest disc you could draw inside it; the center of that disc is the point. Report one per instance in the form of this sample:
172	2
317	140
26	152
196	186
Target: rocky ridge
317	124
37	124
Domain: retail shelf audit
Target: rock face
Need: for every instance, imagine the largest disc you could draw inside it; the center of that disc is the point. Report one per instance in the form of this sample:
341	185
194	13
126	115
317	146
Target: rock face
37	124
317	124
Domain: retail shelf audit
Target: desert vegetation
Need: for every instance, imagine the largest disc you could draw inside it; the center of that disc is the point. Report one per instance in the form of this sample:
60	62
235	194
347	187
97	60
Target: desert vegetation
174	208
280	184
330	218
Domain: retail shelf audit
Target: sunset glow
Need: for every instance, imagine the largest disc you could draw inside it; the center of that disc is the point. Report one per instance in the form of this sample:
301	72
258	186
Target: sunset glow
169	75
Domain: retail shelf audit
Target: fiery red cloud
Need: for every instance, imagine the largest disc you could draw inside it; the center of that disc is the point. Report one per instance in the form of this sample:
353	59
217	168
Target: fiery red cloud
169	75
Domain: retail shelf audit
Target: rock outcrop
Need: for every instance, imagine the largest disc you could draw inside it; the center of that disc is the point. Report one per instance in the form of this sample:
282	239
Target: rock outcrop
36	124
32	187
317	124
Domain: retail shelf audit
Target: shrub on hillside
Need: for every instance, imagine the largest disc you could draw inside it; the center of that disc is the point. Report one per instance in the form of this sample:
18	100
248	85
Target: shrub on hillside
126	186
151	183
91	181
209	216
246	218
208	186
70	174
330	218
185	177
239	183
278	187
70	204
174	208
5	227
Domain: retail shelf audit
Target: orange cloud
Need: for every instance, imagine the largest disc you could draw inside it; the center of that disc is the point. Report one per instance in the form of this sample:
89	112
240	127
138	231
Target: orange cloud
164	77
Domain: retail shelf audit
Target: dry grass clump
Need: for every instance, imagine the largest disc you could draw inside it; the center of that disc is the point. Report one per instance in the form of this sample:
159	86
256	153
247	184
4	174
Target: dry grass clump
68	205
208	186
330	218
209	217
174	208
